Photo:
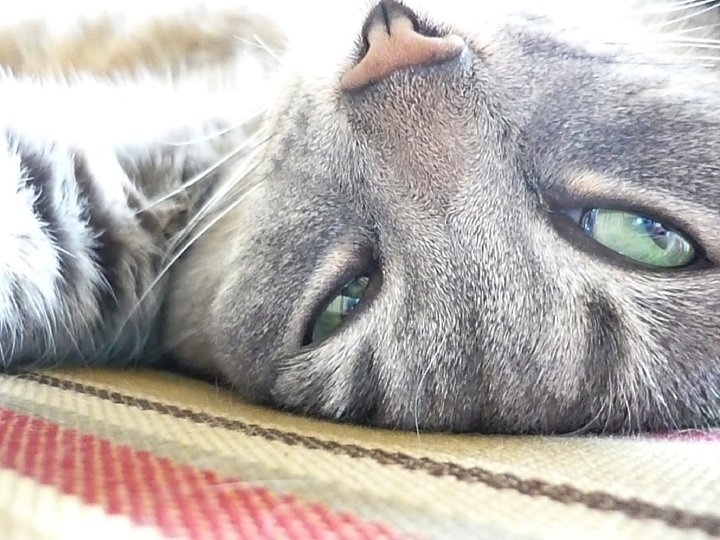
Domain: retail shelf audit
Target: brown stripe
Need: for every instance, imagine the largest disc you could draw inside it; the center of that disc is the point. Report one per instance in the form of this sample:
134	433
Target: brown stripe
563	493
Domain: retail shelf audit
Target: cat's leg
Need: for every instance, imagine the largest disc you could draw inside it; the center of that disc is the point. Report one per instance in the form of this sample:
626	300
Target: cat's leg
76	256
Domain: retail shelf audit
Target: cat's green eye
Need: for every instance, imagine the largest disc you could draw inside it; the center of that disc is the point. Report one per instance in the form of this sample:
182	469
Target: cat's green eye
339	307
639	238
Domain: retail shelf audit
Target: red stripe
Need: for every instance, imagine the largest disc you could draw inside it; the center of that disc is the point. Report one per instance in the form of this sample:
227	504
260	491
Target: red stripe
180	500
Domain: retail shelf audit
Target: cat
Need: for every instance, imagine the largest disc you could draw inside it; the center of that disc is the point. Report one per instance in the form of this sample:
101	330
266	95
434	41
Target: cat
431	216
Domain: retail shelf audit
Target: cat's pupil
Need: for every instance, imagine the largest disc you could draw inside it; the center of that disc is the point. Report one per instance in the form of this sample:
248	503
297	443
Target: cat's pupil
656	231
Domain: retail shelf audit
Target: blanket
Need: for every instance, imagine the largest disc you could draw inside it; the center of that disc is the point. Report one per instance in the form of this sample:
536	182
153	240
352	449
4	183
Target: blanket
143	454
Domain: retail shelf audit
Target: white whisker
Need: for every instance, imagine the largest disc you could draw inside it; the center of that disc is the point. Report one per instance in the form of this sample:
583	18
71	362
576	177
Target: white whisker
694	43
201	175
259	44
189	242
210	204
215	134
421	382
697	29
192	241
680	6
709	6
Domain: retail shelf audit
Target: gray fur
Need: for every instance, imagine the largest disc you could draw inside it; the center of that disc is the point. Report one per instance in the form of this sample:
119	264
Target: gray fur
495	312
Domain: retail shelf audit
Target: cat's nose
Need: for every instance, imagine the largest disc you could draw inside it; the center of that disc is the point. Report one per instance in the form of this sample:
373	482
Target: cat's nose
394	42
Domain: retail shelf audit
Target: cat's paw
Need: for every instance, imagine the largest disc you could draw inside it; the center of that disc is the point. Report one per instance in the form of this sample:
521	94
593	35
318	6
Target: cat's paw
76	258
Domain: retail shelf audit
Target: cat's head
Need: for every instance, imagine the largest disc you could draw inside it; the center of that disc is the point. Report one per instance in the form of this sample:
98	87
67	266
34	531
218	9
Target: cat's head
522	223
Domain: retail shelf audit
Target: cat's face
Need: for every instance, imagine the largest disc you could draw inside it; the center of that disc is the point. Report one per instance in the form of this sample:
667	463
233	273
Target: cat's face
463	190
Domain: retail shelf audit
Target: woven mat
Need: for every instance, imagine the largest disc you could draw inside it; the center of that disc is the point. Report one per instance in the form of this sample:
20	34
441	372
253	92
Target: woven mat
102	454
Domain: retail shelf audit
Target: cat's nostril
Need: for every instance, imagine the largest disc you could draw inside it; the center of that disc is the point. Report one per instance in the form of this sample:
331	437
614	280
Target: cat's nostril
395	43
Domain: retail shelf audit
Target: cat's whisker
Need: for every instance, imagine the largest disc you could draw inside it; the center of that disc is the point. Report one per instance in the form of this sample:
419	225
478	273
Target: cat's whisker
589	425
418	389
676	6
264	46
696	44
688	3
222	192
686	37
205	173
709	6
178	252
676	60
13	345
665	9
240	197
259	44
71	337
695	30
216	134
627	398
170	344
698	61
693	46
608	416
5	358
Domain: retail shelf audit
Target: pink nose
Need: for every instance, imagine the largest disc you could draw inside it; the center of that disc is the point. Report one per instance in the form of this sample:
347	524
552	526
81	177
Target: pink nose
394	43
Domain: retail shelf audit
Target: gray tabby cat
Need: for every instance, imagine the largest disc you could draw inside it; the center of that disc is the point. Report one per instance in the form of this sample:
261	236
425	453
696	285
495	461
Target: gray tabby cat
495	219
